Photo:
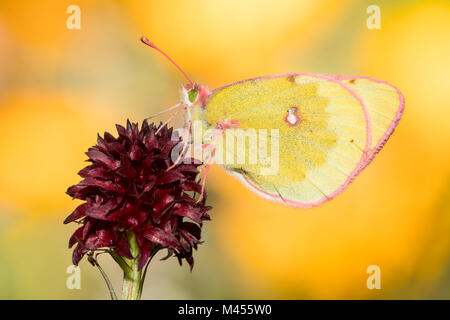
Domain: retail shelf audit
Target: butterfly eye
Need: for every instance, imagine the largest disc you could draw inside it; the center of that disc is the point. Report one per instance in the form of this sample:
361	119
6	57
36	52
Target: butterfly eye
192	95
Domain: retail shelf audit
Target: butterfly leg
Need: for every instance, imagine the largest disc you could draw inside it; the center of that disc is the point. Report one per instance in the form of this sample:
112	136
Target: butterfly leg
206	168
218	132
168	120
186	143
164	111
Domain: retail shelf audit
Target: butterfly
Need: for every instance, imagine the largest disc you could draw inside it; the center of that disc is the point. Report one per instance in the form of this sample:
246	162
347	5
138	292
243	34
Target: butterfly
326	128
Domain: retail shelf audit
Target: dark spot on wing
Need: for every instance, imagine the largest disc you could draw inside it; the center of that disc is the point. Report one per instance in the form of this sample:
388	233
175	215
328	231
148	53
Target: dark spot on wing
291	79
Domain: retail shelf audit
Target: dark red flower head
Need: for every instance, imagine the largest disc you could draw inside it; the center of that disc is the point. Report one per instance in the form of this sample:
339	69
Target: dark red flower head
128	188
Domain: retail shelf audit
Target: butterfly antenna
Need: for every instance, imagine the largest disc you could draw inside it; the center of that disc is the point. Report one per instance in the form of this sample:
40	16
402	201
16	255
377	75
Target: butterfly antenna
151	44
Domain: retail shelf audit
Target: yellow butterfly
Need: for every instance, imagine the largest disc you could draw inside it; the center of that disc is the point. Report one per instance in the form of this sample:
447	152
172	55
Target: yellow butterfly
321	130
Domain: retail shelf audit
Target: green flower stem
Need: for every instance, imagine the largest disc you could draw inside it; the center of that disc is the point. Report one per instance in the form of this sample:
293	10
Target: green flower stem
132	276
132	283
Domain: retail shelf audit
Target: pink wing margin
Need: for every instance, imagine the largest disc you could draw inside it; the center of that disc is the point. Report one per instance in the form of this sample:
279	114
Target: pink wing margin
366	156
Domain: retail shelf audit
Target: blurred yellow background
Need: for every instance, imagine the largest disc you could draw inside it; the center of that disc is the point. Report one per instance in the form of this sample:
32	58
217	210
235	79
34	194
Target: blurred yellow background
59	87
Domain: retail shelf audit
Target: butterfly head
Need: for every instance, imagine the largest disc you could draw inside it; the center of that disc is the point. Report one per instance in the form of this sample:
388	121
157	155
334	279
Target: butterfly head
192	94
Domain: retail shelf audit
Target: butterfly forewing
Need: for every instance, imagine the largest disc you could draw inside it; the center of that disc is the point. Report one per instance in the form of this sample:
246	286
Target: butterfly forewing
323	134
